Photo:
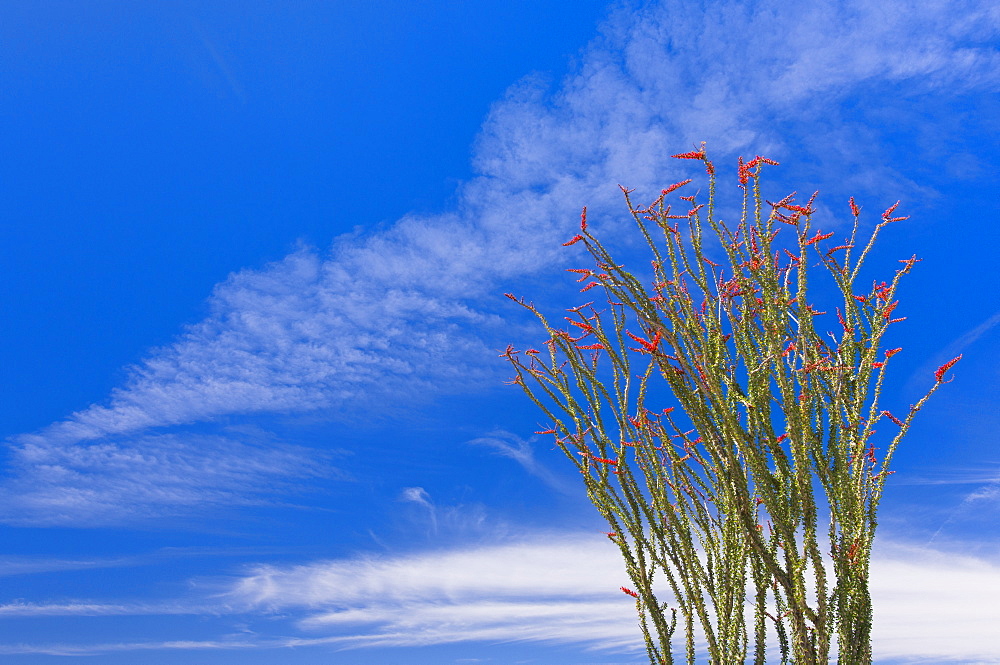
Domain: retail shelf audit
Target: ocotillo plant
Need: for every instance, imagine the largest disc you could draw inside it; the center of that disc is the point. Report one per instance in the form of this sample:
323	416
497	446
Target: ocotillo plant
726	499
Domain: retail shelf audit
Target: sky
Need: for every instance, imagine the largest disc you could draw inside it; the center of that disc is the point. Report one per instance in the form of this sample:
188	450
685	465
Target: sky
254	263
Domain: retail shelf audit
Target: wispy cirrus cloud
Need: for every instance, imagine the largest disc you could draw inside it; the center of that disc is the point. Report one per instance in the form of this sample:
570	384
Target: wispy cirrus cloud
412	311
151	476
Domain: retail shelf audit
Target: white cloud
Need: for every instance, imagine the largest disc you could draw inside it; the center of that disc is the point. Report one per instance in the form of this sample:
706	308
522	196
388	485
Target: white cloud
930	605
414	311
561	588
557	589
935	606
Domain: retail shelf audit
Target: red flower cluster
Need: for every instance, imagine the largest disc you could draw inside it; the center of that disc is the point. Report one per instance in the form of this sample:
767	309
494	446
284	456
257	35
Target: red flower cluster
939	374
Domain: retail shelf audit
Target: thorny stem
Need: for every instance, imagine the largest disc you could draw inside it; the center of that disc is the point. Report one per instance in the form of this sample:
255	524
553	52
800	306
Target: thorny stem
773	433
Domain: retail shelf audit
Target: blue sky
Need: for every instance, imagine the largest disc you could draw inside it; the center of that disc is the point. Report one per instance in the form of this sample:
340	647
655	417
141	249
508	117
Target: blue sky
254	261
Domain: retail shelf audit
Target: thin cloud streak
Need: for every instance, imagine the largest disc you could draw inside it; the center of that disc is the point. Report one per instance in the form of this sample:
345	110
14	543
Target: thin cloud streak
91	609
411	311
522	451
96	649
920	377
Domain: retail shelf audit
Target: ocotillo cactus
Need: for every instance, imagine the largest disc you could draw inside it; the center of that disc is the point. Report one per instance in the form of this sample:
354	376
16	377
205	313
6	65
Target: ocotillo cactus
727	498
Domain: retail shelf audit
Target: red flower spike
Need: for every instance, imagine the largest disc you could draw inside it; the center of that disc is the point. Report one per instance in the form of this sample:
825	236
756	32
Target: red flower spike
598	459
861	299
885	215
591	347
889	353
676	185
939	374
782	202
583	219
892	418
626	589
854	207
533	351
843	323
575	239
781	438
548	431
649	346
818	237
709	168
803	209
689	155
878	365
